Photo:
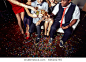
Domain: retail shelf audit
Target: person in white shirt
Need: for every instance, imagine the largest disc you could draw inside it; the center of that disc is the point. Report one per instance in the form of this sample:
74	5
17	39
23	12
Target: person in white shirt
67	15
37	22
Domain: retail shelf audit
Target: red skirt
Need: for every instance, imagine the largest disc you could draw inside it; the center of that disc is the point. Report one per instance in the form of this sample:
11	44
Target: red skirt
18	9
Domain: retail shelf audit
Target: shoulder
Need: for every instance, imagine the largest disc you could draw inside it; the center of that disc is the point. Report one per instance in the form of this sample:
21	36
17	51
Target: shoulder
76	7
57	5
73	4
45	3
33	3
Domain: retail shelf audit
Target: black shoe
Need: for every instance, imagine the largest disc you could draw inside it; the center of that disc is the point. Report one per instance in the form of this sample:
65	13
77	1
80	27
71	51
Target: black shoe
27	42
46	36
61	43
51	40
37	40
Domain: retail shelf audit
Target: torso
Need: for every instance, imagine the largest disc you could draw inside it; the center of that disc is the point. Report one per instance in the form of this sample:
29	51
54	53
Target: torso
50	9
26	12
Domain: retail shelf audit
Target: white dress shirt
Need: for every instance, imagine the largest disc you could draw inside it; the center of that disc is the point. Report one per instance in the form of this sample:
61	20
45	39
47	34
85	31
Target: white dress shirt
44	7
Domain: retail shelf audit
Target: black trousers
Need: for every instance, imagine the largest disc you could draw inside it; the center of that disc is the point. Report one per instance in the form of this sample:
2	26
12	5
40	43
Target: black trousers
67	32
33	27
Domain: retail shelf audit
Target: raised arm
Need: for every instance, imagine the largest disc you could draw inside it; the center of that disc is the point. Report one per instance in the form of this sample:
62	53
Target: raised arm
29	14
21	4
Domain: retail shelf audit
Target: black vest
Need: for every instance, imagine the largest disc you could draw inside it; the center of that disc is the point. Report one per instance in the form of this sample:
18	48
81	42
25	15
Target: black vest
68	15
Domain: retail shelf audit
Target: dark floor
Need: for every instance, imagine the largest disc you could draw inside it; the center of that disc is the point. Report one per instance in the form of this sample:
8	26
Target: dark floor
13	43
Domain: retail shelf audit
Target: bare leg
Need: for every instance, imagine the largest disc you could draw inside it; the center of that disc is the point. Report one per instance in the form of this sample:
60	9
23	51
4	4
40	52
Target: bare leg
22	16
49	27
27	31
46	26
19	22
26	28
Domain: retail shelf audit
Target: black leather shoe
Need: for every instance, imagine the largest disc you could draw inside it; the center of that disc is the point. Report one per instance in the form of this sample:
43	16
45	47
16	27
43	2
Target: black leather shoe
51	40
61	43
46	36
37	40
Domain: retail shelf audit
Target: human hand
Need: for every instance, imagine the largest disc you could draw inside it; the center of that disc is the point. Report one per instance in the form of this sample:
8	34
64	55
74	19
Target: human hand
64	27
34	15
40	15
38	23
48	15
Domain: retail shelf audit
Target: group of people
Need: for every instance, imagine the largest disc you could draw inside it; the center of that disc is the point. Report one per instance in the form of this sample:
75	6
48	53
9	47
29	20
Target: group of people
63	15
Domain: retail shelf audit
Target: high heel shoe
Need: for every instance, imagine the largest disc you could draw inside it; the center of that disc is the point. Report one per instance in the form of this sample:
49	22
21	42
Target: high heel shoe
25	33
45	35
27	38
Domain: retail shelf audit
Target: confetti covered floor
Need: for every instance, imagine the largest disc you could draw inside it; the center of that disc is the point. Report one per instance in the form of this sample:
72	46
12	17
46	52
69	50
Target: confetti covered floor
14	44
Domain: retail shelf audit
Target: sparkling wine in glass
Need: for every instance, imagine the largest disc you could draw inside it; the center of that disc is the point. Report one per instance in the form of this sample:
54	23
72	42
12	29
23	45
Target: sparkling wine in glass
43	12
46	13
37	13
36	8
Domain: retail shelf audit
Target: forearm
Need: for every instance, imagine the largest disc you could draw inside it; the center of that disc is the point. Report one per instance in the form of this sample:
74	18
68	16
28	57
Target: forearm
41	19
72	22
70	25
20	4
28	13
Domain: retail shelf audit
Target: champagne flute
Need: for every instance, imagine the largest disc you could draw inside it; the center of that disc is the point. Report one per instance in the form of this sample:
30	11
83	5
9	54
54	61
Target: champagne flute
36	8
46	13
37	13
43	12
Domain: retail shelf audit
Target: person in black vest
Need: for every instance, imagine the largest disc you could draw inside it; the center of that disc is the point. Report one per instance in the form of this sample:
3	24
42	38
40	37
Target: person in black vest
67	15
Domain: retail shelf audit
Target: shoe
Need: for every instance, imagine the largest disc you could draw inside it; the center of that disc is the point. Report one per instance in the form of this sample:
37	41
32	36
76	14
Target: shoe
27	42
25	33
37	40
27	38
61	43
51	40
46	36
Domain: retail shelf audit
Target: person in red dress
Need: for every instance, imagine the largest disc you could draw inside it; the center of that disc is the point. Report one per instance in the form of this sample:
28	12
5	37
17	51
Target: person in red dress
18	9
